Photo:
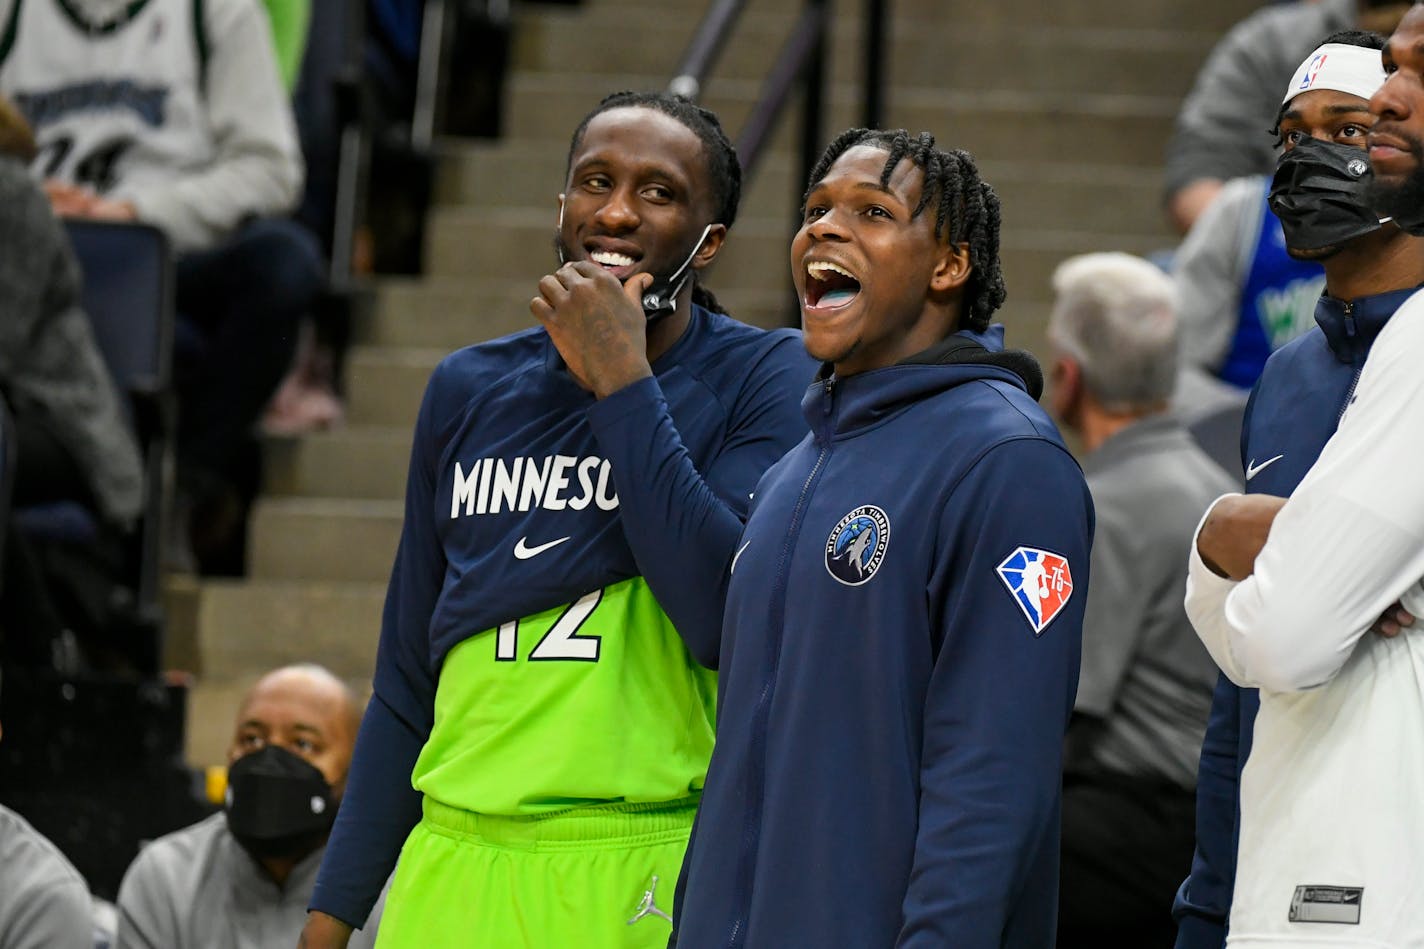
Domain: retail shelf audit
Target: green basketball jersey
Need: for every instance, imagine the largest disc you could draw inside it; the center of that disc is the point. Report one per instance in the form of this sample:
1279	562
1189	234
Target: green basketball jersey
592	702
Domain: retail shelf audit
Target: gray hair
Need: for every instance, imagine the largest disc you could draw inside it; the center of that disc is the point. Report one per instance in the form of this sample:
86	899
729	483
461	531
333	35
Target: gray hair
1116	316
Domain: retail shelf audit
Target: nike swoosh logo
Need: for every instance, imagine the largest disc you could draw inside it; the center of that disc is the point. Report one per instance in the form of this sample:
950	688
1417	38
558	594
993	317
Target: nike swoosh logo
524	552
738	556
1254	469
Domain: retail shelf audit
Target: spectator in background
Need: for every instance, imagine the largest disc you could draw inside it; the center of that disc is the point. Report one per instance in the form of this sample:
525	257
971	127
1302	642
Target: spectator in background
1144	691
1234	95
1371	268
146	112
44	902
72	441
241	879
1241	295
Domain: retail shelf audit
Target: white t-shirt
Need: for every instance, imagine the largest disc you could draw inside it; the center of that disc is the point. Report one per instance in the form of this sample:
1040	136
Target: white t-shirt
1332	799
175	105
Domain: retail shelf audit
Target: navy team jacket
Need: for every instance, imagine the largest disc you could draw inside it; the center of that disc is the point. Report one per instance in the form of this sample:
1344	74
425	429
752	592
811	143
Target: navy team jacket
684	450
899	661
1293	411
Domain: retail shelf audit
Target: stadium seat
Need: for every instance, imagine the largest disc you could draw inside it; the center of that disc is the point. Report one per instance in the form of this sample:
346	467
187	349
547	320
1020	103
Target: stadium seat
7	479
128	294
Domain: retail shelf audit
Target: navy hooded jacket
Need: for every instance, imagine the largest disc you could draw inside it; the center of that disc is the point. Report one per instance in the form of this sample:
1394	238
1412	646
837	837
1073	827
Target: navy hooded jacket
1292	413
899	661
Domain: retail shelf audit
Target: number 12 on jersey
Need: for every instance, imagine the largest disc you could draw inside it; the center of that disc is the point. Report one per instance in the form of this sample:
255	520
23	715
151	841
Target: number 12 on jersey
561	642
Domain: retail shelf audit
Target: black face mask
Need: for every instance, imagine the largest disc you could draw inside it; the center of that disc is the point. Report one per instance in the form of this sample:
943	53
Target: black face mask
278	805
1320	193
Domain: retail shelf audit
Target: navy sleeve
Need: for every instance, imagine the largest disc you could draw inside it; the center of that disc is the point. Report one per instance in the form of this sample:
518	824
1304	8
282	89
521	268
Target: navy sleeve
999	700
1246	426
682	524
379	806
1204	899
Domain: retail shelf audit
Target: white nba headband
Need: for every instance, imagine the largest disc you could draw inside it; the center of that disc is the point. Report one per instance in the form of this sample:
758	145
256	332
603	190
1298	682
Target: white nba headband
1341	68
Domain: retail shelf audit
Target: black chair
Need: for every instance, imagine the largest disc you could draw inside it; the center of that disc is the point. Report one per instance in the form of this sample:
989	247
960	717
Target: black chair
7	480
128	295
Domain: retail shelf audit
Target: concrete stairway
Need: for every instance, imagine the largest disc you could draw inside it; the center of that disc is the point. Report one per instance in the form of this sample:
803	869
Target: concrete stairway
1067	105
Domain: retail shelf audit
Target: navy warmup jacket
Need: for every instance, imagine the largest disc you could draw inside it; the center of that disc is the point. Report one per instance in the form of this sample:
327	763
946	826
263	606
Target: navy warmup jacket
899	662
1293	411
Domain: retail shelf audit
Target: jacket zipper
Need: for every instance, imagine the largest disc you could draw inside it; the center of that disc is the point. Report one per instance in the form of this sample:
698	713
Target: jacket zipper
761	713
1359	369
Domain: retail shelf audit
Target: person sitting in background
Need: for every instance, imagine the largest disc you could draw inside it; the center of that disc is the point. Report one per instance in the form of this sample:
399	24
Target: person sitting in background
72	442
44	902
1241	295
1144	689
241	879
1234	95
154	113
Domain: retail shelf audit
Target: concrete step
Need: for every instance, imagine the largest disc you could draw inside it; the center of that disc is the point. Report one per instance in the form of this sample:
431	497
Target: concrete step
512	242
923	51
1210	16
229	633
450	312
1088	197
246	627
354	462
330	539
1000	124
386	385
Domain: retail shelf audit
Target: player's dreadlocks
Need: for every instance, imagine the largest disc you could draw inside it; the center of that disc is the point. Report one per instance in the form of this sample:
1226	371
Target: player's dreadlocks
724	170
968	209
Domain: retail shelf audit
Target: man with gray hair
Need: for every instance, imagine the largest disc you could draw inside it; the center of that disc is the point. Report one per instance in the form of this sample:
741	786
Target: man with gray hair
1145	686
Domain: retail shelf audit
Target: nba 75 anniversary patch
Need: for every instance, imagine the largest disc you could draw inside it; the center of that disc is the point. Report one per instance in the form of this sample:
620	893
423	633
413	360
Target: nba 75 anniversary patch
1040	582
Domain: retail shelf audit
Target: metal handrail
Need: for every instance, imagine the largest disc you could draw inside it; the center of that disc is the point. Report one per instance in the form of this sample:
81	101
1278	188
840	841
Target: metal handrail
802	59
707	42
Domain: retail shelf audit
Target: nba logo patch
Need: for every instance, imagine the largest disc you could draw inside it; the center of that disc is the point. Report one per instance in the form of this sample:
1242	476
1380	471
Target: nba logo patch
1040	583
857	545
1312	71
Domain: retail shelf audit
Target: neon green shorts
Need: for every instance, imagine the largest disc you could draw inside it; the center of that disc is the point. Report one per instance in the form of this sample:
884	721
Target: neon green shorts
595	877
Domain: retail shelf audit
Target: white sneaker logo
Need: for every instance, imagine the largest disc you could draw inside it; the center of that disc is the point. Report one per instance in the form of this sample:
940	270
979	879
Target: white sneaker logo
1253	469
524	552
648	905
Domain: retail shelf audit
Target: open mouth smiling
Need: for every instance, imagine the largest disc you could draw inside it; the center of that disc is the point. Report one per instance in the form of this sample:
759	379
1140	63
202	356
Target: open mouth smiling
617	262
829	286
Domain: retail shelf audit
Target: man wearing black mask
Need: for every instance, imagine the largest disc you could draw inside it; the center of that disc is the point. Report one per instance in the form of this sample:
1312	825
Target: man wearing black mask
241	879
1321	192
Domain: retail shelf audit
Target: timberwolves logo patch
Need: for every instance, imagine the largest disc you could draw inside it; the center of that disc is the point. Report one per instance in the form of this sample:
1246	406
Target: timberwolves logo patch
1040	583
857	545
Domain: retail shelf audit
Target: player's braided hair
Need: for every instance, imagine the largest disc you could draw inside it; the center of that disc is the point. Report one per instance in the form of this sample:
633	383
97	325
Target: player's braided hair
724	170
967	212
